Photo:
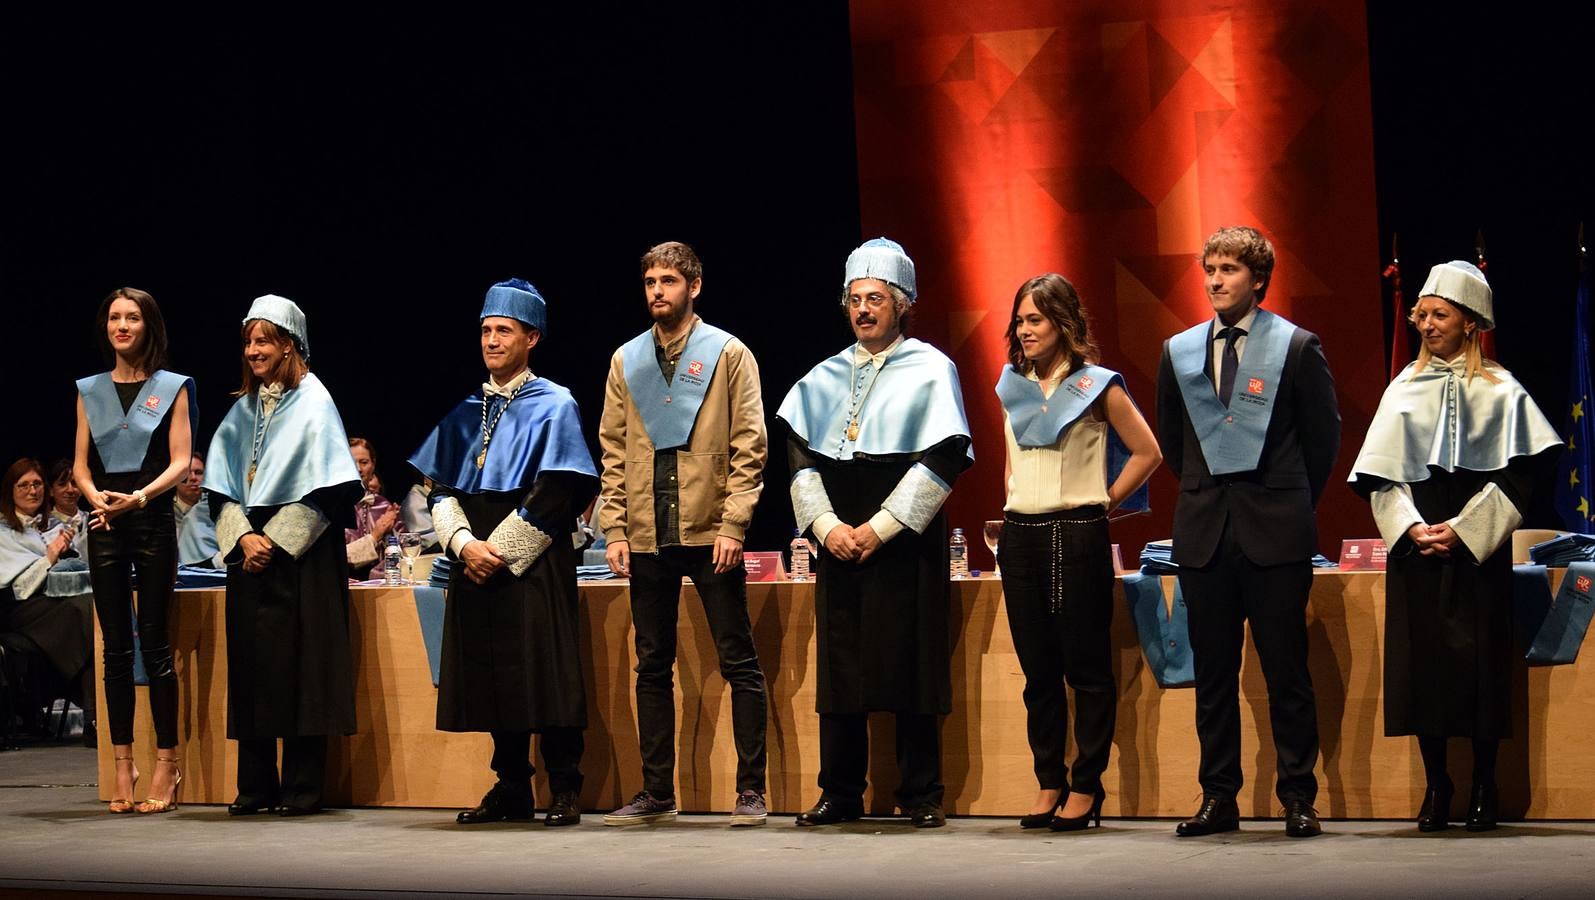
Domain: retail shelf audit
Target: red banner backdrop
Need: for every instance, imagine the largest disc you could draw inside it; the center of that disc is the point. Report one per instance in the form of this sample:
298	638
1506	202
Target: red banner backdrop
1104	140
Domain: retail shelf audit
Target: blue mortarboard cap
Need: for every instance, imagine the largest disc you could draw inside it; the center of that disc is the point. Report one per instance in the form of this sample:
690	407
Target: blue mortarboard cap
285	314
517	299
884	259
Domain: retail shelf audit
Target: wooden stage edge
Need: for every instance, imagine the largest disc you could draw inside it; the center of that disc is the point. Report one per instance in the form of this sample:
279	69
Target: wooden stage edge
399	759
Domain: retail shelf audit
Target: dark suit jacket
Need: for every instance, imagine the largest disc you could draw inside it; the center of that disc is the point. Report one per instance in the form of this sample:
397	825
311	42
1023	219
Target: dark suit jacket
1270	509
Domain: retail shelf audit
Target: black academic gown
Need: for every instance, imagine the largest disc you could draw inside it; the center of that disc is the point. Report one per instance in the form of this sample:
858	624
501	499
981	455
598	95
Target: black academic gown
1448	622
883	642
290	666
512	647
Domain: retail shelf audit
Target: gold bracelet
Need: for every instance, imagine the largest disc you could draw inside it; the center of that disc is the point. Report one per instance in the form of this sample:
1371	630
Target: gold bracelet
143	500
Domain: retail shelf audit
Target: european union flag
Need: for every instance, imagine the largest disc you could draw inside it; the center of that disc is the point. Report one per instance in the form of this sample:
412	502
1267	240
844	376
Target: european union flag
1575	483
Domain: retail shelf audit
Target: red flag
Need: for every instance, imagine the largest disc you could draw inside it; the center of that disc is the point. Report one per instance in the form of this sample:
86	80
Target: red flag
1487	339
1400	345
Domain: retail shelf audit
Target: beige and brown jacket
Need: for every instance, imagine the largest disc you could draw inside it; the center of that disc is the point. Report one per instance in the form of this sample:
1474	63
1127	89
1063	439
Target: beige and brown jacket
720	470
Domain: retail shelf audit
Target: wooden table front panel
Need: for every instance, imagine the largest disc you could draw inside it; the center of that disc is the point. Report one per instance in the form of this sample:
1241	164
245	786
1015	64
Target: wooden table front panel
399	759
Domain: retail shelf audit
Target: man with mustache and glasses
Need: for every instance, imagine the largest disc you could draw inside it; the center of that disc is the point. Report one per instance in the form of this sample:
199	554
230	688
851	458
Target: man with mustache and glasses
876	435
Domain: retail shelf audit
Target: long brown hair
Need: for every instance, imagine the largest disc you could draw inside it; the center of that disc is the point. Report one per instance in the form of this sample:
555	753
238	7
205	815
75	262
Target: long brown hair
152	355
288	372
1056	299
8	484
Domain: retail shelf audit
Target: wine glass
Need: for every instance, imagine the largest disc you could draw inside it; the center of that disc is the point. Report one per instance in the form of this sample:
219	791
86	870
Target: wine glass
992	533
410	546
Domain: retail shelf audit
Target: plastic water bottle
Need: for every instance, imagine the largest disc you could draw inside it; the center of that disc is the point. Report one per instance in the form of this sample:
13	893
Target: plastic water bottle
958	554
390	561
800	557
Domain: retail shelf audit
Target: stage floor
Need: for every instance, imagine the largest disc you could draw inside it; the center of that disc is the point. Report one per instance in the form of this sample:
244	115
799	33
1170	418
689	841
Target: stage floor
54	835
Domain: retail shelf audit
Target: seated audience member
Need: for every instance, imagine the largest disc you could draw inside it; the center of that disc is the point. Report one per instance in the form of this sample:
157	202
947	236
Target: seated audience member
44	583
64	508
417	517
196	530
375	516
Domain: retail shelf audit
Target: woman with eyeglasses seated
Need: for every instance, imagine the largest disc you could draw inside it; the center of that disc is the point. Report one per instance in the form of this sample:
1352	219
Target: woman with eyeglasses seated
44	584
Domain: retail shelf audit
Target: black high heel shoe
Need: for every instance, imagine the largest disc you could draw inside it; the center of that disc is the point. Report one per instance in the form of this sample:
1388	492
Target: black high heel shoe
1042	819
1435	814
1482	809
1081	823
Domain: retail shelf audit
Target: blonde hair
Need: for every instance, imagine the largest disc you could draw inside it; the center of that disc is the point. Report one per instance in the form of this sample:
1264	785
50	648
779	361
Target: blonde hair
1471	344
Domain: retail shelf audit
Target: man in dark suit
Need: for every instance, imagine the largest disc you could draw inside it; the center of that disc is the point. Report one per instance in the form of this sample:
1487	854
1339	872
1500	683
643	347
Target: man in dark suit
1248	422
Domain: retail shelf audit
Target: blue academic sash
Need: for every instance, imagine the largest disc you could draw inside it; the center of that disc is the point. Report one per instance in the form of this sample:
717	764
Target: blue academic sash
668	410
1040	421
1232	437
123	439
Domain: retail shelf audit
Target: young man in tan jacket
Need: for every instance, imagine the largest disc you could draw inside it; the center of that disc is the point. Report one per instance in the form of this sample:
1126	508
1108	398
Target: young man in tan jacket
684	451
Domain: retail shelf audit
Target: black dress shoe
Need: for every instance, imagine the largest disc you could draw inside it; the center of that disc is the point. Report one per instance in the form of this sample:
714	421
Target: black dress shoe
242	808
500	804
1301	820
1482	808
1215	816
1040	820
927	815
288	812
564	810
1435	813
1081	823
831	812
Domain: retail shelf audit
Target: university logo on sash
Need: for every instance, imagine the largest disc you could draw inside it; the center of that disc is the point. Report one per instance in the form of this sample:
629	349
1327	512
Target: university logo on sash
1232	436
669	409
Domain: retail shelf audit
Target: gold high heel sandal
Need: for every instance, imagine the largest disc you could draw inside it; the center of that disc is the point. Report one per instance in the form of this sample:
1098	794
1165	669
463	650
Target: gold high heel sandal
121	806
154	805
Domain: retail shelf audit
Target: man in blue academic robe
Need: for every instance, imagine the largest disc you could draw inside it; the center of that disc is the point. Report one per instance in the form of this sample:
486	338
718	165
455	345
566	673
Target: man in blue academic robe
511	473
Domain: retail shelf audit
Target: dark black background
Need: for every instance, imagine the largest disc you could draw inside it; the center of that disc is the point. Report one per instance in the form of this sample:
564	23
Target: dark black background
382	173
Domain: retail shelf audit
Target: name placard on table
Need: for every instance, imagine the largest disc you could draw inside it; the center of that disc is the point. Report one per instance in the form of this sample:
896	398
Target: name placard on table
1366	554
764	566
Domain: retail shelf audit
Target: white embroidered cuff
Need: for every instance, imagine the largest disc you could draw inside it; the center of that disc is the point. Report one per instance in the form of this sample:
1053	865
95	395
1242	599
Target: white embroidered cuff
231	525
519	543
809	500
1394	512
1486	522
295	527
917	498
454	530
362	551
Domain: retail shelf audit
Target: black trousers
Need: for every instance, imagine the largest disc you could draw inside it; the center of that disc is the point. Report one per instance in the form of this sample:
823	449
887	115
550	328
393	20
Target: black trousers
1057	582
304	771
562	757
145	541
1221	599
655	607
844	757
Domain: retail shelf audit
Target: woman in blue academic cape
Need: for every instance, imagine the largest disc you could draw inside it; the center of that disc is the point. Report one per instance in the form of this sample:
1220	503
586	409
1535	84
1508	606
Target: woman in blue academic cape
282	489
1061	414
135	426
